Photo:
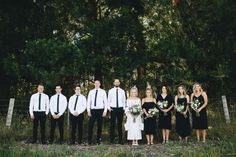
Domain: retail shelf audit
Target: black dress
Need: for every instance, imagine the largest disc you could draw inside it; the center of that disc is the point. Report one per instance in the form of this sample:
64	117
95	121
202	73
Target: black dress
150	124
201	121
165	121
182	123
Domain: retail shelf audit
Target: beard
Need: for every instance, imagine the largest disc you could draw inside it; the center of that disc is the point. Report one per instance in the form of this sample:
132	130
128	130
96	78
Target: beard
116	85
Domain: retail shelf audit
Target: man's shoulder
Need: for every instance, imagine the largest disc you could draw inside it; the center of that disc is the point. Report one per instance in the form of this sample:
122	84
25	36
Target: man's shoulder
83	96
44	94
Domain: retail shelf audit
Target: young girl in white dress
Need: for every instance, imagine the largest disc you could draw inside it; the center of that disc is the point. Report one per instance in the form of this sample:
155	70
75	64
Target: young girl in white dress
134	128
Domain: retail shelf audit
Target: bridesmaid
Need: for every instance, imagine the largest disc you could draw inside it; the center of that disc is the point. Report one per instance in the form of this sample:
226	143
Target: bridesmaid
182	118
133	128
149	122
200	123
165	120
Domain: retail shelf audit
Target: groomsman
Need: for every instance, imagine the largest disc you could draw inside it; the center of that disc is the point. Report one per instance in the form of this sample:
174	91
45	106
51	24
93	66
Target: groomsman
97	109
38	109
116	105
58	104
77	106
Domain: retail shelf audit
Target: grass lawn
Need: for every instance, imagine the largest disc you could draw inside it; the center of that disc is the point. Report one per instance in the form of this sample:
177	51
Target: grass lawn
213	148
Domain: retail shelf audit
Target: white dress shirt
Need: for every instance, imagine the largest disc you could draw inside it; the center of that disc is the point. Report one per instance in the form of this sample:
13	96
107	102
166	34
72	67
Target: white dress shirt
80	105
34	103
101	101
62	104
112	98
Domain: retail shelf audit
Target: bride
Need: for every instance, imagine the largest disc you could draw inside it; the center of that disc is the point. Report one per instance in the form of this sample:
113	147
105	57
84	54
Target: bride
134	124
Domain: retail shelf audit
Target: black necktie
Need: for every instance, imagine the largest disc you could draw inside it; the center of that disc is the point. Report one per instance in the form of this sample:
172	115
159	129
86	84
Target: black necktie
95	101
58	103
117	104
76	102
39	101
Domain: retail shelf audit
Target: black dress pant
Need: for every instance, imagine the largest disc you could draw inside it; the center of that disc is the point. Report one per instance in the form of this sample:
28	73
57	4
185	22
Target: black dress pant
60	122
116	114
76	121
39	117
96	114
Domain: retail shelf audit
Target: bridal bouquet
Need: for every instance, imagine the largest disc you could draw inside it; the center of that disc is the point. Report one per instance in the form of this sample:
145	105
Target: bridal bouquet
163	105
180	109
195	104
152	112
135	110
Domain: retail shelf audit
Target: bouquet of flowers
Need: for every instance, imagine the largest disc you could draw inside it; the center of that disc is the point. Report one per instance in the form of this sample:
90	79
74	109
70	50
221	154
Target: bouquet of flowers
163	105
135	110
195	104
180	109
152	112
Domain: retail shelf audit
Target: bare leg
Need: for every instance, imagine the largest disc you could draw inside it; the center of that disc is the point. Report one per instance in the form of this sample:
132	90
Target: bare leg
151	139
148	139
186	139
167	135
198	135
204	135
163	135
133	142
180	138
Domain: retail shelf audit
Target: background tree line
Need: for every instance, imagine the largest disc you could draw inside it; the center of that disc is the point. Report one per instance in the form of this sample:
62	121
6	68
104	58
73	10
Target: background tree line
159	41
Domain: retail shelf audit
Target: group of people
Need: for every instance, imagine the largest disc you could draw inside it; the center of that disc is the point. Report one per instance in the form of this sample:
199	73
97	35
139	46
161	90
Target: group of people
98	104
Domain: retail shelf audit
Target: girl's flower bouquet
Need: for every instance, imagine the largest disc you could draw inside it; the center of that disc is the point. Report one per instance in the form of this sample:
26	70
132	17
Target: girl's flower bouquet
152	112
135	110
180	109
195	104
163	105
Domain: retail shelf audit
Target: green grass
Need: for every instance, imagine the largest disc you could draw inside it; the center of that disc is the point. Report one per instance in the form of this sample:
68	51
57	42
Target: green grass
221	141
211	149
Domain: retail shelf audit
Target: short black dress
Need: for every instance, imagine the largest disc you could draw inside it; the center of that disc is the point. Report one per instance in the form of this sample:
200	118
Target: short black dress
201	121
165	121
150	123
182	127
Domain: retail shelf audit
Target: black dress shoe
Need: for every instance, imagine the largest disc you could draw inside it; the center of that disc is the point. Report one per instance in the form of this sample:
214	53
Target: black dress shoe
33	142
60	142
121	143
72	143
112	141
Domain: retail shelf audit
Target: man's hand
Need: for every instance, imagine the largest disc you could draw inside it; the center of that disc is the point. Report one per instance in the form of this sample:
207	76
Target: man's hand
109	109
89	114
32	116
56	116
104	114
75	114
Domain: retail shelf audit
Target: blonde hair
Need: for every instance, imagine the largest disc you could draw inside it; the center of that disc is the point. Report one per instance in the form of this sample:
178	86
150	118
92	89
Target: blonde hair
149	89
134	88
194	87
184	90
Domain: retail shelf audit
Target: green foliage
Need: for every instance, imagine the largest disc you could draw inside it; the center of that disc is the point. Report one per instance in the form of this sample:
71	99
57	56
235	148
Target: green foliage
138	41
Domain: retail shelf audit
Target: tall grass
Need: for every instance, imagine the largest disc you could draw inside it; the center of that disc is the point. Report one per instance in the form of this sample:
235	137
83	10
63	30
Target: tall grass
221	141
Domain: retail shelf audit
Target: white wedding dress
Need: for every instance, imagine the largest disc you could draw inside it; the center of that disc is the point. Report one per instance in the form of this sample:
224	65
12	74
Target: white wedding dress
134	128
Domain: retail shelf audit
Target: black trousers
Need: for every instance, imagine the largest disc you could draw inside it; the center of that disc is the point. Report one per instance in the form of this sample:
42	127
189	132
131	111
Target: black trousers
116	114
39	117
96	114
60	122
76	121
